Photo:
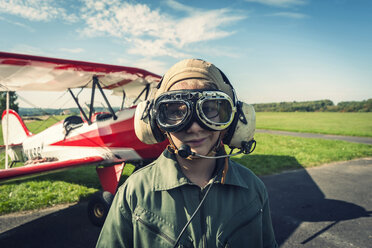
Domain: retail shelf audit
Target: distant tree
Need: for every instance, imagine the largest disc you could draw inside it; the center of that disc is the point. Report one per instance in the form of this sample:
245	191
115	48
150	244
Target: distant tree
354	106
307	106
12	101
368	106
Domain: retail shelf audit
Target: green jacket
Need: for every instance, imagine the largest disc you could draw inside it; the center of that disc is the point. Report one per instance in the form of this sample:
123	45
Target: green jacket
151	208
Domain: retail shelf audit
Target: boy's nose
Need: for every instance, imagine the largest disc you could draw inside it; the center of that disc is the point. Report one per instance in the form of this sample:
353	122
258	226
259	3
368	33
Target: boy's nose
194	127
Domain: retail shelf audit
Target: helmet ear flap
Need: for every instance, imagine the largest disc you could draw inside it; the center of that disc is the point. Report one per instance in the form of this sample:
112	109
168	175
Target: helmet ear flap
145	125
242	128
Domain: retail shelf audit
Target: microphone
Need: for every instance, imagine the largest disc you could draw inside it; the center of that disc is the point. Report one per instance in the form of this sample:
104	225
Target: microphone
185	151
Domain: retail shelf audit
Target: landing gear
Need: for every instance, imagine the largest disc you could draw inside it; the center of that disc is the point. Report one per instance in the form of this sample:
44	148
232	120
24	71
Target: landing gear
99	206
100	201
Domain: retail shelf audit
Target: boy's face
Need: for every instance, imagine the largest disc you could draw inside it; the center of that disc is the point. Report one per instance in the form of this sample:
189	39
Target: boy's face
201	141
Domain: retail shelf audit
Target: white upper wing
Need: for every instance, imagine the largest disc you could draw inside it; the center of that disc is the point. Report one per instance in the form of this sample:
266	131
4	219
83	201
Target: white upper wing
19	72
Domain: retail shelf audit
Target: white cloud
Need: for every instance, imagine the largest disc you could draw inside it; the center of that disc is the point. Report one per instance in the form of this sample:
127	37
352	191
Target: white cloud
279	3
179	6
72	50
143	30
290	15
203	26
35	10
150	32
154	48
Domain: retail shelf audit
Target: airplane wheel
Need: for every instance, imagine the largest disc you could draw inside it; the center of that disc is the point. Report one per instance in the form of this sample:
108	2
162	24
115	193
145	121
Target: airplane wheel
99	206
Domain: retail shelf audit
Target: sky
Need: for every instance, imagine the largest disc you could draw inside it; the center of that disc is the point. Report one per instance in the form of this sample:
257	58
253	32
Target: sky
271	50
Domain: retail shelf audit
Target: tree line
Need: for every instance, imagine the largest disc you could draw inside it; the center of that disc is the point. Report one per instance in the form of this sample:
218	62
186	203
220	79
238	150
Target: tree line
315	106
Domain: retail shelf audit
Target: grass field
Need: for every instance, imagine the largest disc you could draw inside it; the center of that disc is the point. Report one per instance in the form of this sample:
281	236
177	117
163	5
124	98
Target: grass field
276	153
353	124
273	154
45	191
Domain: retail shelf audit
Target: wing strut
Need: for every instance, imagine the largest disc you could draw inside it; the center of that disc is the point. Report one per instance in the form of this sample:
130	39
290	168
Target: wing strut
80	108
146	89
7	132
91	107
123	101
96	83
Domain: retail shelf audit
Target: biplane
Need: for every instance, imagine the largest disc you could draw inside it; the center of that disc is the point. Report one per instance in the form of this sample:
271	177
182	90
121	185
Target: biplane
103	139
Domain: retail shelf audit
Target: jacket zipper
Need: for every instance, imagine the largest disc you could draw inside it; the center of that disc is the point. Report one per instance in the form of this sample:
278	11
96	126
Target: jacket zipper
166	237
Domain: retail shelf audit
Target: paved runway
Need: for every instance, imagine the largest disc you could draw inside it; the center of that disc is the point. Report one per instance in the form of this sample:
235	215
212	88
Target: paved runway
328	206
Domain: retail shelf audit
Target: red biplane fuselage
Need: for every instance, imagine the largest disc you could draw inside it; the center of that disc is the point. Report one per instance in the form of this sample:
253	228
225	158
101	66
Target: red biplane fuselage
73	139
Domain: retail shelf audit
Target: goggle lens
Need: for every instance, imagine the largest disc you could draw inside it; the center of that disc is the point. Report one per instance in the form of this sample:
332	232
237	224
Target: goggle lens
172	113
217	110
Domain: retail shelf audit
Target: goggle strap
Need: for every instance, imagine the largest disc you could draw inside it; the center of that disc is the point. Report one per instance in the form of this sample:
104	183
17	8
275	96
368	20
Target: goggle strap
171	147
146	111
227	81
225	169
231	129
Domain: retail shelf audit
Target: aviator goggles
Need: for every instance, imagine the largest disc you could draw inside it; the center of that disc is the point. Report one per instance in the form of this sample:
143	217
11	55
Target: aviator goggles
177	110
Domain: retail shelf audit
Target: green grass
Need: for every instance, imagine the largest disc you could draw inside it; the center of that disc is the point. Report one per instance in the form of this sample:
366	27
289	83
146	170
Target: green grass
40	194
38	126
45	191
352	124
276	153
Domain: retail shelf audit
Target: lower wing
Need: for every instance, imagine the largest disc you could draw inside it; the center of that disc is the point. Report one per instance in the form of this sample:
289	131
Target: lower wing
40	168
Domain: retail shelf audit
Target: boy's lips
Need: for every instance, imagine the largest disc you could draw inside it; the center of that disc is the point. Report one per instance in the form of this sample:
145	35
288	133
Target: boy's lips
195	142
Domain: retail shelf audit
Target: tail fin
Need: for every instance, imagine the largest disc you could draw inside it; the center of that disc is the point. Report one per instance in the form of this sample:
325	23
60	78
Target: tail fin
17	130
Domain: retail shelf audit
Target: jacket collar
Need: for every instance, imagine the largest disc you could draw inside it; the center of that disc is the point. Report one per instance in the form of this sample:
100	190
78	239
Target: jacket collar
168	174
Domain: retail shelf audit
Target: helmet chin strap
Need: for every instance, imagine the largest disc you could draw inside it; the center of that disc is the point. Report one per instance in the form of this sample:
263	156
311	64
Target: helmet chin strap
184	151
